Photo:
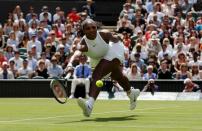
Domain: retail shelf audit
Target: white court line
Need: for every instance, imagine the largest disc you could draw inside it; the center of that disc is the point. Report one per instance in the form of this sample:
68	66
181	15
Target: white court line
76	115
149	127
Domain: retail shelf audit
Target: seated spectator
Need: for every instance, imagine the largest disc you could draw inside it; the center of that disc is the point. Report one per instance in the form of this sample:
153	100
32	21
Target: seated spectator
25	70
150	87
149	74
82	75
154	45
190	86
163	72
181	60
165	50
134	73
195	60
2	57
41	69
135	58
196	74
12	68
5	73
183	73
55	70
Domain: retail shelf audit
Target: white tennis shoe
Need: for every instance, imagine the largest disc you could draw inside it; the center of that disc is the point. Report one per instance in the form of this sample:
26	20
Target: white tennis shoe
83	104
133	98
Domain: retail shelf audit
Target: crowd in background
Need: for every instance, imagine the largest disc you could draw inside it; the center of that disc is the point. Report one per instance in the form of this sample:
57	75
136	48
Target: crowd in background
162	40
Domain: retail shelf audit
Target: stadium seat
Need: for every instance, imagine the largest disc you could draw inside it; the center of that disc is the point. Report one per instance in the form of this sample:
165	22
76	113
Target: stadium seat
23	56
22	77
22	51
53	77
38	77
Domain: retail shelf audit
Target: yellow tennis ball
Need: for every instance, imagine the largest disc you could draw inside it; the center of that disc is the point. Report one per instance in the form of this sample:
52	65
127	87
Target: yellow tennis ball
99	83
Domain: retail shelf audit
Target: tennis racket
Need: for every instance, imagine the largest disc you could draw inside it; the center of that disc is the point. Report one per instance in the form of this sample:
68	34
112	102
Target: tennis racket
58	89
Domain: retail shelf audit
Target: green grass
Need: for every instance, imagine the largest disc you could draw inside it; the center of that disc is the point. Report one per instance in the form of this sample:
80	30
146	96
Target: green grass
48	115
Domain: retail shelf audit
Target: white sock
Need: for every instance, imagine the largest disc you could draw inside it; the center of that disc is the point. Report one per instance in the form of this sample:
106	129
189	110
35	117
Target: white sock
91	101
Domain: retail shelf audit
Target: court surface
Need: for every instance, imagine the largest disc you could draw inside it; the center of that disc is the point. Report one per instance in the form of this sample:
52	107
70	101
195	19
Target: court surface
27	114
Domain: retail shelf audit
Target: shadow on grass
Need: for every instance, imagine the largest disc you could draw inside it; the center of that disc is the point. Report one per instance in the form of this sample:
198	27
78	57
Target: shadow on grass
105	119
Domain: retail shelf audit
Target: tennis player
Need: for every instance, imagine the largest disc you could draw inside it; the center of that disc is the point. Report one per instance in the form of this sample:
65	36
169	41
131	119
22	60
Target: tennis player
106	52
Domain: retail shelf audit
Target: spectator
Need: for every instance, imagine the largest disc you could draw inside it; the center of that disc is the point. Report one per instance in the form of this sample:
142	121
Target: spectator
45	11
149	74
163	72
9	53
41	69
12	40
17	59
5	73
183	73
89	8
8	27
56	16
73	15
133	73
12	68
196	74
2	57
25	71
55	70
82	75
34	43
191	86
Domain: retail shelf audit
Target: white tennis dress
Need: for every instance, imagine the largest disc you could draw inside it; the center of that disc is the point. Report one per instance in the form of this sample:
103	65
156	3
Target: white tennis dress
98	49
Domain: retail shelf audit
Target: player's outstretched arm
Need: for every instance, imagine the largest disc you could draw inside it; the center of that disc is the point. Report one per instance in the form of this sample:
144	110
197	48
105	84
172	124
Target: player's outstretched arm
82	46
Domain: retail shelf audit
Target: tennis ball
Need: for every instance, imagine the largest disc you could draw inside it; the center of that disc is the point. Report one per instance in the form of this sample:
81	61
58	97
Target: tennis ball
99	83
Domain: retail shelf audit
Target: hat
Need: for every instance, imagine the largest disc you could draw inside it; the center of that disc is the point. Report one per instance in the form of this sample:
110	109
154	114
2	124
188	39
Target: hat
33	46
4	63
44	8
61	46
187	80
48	45
151	80
154	37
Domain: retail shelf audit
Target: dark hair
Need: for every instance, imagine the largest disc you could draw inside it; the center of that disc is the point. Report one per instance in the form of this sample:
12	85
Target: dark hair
87	21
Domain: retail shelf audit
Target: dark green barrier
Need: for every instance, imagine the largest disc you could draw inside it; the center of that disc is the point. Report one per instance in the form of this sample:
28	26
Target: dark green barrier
40	88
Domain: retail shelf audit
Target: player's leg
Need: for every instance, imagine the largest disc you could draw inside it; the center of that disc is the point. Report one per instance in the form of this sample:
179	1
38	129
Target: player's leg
124	82
102	69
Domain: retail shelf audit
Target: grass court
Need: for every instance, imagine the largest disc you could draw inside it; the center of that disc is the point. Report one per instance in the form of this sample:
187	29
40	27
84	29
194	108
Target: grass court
27	114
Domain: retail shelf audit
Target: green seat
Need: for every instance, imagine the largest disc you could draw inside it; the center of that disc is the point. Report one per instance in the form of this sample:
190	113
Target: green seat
53	77
23	56
22	51
38	77
22	77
